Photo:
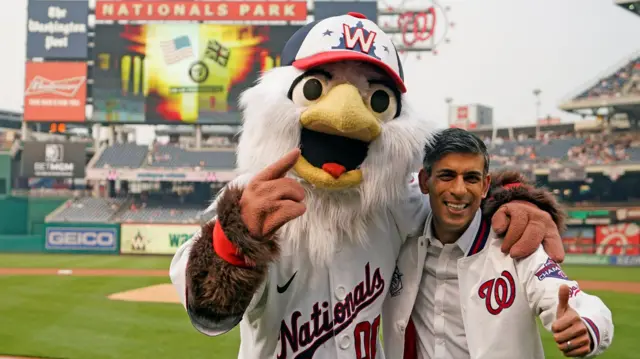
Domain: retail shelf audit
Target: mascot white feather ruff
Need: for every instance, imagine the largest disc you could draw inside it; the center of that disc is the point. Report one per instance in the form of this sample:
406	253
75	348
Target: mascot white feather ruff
302	252
378	149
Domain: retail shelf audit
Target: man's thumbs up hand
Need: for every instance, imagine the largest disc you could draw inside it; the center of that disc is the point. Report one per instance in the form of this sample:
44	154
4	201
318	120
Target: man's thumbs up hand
563	300
569	331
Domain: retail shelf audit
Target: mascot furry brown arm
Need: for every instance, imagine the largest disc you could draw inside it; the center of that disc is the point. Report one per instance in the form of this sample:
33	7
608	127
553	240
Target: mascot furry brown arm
304	244
509	189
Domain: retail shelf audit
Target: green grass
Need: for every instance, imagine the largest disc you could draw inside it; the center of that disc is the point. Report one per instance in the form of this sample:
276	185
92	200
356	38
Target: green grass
625	312
603	273
71	318
83	261
625	309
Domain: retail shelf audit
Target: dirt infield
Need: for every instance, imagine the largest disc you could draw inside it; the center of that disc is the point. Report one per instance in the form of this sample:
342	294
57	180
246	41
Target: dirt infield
161	293
620	287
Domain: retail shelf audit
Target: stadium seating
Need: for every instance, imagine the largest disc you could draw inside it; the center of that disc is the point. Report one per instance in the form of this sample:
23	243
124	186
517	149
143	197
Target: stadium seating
122	155
161	208
624	81
594	150
168	156
556	149
175	157
634	154
87	209
162	214
122	210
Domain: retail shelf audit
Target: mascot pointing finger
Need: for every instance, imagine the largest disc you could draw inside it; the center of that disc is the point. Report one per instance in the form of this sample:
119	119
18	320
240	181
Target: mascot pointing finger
303	247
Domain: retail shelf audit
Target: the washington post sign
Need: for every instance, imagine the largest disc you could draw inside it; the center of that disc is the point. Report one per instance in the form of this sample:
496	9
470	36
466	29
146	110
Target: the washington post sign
57	29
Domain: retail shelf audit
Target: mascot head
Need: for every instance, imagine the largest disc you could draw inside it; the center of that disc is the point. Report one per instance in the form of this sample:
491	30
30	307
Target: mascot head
339	96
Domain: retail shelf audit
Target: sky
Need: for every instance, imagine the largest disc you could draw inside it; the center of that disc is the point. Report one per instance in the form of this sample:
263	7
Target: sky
499	51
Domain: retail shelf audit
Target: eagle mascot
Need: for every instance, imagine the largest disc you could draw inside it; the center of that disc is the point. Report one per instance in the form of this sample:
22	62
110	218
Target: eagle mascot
303	245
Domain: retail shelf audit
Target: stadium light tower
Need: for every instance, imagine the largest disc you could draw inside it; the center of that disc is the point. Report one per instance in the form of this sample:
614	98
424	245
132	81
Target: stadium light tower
536	93
448	100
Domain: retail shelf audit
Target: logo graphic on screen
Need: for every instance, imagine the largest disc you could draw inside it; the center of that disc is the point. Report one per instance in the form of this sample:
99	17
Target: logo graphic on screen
199	72
53	153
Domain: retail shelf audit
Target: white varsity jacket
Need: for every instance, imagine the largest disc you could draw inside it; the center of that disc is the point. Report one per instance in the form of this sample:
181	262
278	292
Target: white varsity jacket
499	323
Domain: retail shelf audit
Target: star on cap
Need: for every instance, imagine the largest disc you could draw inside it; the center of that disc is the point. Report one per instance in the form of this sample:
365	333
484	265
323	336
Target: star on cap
385	48
327	33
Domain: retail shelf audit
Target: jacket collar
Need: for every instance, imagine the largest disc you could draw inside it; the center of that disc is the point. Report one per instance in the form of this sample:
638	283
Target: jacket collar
472	240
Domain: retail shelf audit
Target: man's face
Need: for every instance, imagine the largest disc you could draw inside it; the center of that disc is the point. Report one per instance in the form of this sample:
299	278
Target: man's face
456	187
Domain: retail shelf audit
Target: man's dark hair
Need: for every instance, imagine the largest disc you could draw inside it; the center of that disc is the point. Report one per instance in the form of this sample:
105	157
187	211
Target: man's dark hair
453	140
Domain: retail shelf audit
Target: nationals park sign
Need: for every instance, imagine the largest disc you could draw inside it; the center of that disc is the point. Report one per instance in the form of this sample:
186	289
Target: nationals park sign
167	10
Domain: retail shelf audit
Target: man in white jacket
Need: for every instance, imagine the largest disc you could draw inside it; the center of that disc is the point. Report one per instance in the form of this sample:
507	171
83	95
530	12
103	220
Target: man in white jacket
456	295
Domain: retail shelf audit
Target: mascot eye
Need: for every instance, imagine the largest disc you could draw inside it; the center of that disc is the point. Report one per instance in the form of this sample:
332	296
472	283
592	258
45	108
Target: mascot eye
380	101
308	90
312	89
383	102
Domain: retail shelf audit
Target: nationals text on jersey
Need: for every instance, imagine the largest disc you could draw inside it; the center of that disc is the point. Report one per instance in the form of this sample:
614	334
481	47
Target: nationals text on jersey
303	335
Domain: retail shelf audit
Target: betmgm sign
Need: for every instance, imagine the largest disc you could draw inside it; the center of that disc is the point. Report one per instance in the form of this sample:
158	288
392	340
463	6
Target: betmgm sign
53	160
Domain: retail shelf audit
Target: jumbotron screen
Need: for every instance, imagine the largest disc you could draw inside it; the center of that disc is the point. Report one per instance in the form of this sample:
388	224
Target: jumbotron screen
191	73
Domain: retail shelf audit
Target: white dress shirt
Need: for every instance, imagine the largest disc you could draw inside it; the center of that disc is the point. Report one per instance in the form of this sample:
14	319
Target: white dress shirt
437	315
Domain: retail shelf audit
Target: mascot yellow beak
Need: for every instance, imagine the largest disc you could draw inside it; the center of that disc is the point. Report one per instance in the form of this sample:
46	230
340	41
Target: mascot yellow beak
336	132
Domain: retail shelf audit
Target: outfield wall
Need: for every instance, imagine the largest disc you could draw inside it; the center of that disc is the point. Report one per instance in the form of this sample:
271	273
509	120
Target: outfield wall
21	243
22	221
602	237
603	232
5	174
602	260
23	215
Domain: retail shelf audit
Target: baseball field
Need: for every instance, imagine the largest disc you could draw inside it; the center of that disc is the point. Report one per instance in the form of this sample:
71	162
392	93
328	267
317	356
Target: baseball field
122	307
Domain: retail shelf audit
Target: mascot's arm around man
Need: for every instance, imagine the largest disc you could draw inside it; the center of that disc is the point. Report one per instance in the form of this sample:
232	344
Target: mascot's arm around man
220	273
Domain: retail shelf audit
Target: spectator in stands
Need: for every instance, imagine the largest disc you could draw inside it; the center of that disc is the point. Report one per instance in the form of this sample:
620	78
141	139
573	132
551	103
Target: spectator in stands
617	84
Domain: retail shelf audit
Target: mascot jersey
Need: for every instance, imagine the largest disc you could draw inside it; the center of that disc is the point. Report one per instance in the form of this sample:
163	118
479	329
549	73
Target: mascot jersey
302	311
337	96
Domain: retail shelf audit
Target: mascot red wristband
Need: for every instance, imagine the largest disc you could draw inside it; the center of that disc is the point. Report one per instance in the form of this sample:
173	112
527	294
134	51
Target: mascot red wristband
224	248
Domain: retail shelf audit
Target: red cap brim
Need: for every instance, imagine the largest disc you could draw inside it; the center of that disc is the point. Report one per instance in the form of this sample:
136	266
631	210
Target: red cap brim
338	55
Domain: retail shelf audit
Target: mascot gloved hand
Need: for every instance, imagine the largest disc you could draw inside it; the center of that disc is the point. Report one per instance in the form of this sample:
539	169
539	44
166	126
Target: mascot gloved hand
304	243
526	216
271	200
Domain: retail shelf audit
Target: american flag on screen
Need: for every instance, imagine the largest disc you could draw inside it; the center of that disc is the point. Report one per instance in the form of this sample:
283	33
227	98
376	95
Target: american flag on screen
177	49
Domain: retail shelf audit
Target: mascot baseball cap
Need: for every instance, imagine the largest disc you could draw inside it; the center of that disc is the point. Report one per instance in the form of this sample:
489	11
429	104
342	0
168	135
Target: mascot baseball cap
339	38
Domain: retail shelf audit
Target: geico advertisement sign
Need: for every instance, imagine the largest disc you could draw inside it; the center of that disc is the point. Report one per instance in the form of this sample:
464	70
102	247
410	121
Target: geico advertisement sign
98	239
